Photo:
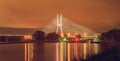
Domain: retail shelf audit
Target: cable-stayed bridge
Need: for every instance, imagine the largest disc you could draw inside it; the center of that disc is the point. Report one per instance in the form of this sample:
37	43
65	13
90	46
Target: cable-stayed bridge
61	24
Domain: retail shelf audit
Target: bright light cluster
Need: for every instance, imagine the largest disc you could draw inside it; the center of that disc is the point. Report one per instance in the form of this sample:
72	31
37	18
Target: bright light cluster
27	37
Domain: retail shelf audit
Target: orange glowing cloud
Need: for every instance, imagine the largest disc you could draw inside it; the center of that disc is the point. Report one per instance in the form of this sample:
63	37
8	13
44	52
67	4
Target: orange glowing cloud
98	15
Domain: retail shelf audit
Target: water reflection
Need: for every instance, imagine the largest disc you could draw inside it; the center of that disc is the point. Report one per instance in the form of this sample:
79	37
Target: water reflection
73	51
47	51
68	54
29	51
57	53
12	52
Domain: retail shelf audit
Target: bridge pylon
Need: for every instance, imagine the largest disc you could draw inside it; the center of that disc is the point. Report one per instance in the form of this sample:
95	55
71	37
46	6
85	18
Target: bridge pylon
59	29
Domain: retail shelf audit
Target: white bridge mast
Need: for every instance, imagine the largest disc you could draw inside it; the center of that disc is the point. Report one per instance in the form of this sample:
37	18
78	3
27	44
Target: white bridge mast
59	29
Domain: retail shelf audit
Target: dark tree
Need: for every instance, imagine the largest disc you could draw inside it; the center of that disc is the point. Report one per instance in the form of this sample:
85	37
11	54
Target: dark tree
110	38
110	45
39	36
52	36
112	34
39	52
116	35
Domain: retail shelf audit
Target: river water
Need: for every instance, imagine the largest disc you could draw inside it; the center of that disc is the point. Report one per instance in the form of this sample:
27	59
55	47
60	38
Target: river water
47	51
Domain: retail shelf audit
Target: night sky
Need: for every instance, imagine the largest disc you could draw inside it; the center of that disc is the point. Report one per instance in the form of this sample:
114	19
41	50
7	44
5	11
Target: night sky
98	15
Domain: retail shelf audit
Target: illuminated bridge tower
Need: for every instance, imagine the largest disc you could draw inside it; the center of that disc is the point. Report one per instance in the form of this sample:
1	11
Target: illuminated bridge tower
60	47
59	29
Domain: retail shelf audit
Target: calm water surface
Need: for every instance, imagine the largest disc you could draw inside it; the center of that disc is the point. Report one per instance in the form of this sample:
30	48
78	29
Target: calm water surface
47	51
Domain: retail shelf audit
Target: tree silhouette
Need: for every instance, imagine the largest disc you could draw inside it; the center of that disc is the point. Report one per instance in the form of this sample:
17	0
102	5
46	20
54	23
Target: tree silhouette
52	36
39	36
110	47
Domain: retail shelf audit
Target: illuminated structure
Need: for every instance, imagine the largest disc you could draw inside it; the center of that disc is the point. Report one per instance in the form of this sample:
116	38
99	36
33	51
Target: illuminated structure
27	37
59	29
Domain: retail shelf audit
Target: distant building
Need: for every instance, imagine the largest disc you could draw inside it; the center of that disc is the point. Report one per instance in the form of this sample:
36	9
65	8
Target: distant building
11	38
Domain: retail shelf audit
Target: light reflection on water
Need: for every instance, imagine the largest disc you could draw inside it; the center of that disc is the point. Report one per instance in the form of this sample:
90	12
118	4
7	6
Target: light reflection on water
47	51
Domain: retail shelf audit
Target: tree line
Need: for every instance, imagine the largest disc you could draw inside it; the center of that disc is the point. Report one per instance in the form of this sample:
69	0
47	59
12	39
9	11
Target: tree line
41	36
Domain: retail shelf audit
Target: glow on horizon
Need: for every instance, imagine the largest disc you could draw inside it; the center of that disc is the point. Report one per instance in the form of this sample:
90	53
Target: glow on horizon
27	37
85	34
68	34
76	33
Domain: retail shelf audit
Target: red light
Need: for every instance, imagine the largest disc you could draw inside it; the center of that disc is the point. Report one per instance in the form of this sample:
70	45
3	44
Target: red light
76	39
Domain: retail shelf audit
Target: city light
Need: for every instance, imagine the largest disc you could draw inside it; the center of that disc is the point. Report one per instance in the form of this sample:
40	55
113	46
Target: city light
62	39
27	37
76	39
76	33
62	35
85	34
68	34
